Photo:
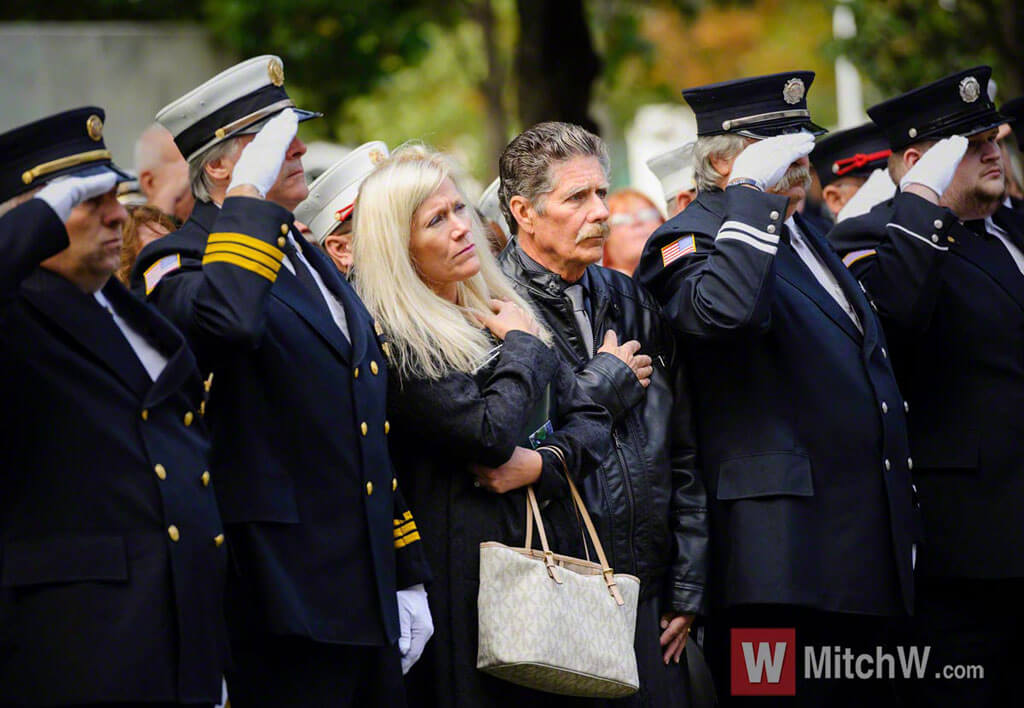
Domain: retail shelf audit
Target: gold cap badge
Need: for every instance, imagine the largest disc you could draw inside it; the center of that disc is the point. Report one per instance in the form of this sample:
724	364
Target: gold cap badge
970	89
94	127
275	71
793	91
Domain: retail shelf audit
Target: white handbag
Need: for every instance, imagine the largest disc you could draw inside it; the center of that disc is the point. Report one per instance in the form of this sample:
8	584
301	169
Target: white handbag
554	623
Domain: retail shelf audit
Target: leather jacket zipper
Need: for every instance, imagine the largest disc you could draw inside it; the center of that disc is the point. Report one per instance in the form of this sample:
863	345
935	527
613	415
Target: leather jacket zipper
629	495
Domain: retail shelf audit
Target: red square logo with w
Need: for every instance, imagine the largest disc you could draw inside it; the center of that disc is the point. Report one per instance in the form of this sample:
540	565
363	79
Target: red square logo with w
763	662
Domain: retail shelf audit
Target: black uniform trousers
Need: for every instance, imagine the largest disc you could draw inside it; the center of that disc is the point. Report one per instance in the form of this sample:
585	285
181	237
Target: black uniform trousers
968	623
290	671
862	634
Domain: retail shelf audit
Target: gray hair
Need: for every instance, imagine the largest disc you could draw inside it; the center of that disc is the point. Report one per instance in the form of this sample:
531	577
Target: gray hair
197	177
709	147
525	164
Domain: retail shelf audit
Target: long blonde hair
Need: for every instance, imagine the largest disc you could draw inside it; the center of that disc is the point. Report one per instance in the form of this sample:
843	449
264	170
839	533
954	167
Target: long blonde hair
432	336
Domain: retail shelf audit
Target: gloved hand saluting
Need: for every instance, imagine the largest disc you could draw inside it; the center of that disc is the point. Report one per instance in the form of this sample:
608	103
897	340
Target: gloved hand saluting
65	193
261	160
936	167
416	624
766	161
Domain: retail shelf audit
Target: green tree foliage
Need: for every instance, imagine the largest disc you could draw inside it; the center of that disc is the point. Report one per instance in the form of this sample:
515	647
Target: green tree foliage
901	44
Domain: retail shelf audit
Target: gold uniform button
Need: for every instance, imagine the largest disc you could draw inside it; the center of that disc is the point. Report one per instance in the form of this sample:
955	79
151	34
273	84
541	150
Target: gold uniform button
373	368
218	540
284	229
208	384
355	373
387	427
172	531
189	417
282	242
363	428
369	488
394	483
161	471
145	414
205	479
202	408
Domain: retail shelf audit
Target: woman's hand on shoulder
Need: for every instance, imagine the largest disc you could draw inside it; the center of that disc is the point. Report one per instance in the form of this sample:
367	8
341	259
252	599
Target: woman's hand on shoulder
522	468
506	317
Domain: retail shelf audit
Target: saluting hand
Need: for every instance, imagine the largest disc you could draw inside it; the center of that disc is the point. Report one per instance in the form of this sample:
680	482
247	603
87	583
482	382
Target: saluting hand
766	161
935	169
508	317
261	160
65	193
628	353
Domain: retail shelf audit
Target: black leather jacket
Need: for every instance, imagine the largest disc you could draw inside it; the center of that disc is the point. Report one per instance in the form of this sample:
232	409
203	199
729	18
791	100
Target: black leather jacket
647	499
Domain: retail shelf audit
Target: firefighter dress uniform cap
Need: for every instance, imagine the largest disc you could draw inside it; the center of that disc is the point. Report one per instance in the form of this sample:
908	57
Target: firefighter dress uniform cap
237	101
856	152
332	196
674	169
957	104
756	107
68	143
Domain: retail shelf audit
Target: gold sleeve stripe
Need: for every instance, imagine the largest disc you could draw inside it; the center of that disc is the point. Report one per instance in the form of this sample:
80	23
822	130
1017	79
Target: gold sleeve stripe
407	516
406	540
276	253
241	263
246	252
408	528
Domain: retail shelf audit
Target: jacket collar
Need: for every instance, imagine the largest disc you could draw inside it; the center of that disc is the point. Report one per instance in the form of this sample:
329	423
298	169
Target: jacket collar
989	254
82	317
204	214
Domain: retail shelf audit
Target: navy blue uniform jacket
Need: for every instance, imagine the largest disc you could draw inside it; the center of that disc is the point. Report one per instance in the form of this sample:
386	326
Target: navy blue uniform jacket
112	550
801	428
952	303
298	414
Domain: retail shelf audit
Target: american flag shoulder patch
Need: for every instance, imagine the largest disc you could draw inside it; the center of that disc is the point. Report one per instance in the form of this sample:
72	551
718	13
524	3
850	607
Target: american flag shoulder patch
678	248
167	264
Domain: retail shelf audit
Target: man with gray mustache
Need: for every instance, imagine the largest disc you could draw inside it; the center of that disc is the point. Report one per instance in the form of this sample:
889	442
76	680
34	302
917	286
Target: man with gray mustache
801	427
646	498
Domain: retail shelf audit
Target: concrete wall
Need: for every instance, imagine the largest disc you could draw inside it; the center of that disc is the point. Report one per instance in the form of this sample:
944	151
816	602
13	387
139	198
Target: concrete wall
131	70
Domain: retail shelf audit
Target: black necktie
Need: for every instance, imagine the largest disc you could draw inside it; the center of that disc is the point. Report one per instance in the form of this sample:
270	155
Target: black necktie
306	278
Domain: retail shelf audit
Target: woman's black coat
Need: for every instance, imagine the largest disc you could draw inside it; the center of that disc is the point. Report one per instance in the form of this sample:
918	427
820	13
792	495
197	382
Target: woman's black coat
440	429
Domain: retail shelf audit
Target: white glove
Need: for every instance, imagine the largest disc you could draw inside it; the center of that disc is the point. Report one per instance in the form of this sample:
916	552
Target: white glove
417	626
877	189
766	161
936	167
65	193
261	160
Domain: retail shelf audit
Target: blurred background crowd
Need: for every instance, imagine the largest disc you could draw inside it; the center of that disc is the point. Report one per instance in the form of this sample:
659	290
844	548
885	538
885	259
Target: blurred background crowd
466	75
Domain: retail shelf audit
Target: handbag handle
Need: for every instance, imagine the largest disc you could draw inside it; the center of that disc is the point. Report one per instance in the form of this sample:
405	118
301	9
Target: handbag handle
606	570
532	510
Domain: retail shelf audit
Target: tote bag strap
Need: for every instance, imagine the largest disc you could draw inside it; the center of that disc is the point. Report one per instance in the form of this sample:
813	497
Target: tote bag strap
606	570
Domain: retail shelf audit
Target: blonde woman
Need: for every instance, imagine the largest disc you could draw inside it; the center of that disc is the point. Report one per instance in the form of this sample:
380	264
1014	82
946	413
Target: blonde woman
472	370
